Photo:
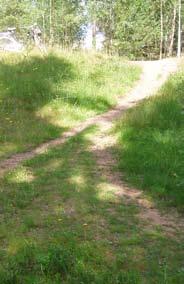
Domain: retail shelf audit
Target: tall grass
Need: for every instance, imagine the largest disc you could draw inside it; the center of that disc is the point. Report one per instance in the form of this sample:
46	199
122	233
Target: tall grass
42	96
151	144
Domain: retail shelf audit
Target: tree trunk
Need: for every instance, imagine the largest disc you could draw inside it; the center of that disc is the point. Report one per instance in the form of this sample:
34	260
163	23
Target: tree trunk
179	29
43	22
94	35
170	50
51	22
161	28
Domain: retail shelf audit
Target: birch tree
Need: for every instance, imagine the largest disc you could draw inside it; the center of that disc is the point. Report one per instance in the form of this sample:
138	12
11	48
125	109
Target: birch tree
179	29
173	28
161	28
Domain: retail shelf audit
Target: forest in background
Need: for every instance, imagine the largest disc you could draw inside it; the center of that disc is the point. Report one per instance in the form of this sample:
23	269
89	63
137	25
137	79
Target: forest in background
137	28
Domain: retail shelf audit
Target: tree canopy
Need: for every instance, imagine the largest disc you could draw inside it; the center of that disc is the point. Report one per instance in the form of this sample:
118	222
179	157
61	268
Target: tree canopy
137	28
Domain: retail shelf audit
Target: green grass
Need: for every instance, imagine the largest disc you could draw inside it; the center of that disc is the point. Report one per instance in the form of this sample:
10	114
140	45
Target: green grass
151	145
42	96
61	223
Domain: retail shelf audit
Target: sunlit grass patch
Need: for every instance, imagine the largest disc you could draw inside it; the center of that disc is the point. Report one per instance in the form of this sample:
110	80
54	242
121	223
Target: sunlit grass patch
21	175
106	191
78	180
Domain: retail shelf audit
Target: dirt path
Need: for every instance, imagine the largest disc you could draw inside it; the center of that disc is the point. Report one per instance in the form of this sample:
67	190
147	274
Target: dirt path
149	214
153	76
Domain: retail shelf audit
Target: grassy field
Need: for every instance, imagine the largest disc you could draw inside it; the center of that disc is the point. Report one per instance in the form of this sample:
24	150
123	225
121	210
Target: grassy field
42	96
61	223
151	145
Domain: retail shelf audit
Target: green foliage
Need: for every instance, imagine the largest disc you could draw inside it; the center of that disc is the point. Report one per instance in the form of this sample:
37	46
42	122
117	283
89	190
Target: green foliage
66	24
151	145
17	14
131	29
138	31
62	21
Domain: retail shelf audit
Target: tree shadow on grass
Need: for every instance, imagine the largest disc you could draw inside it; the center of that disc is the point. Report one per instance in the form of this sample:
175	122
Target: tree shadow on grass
26	86
62	222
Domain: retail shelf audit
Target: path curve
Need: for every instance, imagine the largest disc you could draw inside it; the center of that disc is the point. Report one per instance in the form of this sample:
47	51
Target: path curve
153	77
154	74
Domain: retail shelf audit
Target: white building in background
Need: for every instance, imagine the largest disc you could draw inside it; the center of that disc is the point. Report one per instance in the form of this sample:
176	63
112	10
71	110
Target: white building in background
88	40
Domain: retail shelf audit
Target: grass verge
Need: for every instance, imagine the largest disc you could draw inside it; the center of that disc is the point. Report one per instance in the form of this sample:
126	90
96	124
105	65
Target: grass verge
151	145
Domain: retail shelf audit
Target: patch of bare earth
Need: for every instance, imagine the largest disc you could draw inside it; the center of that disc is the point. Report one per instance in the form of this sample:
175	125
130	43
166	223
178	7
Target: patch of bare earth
154	74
